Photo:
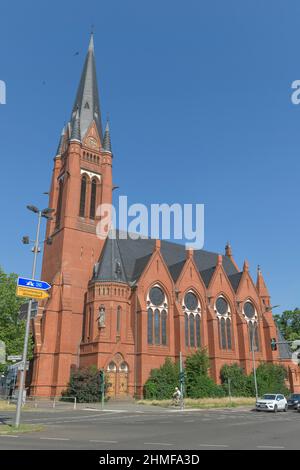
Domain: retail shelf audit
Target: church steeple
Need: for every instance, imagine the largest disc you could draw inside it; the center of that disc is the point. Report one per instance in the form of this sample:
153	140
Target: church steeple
106	139
87	99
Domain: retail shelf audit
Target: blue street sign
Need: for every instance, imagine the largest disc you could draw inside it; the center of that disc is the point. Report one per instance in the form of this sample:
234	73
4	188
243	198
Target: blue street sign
33	284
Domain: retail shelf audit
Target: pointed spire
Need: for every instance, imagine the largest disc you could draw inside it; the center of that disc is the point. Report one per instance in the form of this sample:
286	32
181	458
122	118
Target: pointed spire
111	266
87	98
106	139
91	44
61	141
228	250
246	266
261	285
75	135
228	253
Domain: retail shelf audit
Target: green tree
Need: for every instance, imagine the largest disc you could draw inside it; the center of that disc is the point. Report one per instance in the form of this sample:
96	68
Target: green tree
239	383
84	384
198	383
289	324
162	382
12	329
270	379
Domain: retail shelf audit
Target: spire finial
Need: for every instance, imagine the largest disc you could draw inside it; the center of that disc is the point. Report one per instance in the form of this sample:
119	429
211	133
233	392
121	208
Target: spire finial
91	44
228	250
258	269
246	266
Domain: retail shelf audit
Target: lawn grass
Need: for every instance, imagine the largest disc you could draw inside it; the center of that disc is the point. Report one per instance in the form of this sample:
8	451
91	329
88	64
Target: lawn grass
4	406
204	403
23	428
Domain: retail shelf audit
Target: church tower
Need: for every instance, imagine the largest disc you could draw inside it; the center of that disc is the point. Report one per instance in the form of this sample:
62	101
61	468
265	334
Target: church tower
81	181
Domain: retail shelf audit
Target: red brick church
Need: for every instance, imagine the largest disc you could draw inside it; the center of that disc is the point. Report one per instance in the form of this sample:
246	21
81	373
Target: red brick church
125	305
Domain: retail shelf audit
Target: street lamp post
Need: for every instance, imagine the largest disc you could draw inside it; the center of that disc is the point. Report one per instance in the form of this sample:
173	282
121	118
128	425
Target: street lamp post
44	213
253	361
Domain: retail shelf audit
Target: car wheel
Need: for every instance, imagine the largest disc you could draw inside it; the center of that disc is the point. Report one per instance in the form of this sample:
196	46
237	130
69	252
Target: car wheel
275	409
285	408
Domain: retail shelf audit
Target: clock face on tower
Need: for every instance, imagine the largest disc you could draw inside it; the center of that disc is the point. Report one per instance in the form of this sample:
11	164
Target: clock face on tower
92	142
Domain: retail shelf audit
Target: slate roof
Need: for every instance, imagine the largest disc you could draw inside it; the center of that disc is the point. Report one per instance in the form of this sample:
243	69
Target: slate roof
87	98
235	280
133	256
106	139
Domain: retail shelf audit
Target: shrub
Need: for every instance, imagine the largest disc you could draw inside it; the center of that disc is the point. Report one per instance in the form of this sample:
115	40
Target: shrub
270	379
198	383
85	385
162	382
239	382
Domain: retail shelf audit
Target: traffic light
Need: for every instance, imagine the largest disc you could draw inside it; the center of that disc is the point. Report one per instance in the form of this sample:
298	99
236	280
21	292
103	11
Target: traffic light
181	377
273	344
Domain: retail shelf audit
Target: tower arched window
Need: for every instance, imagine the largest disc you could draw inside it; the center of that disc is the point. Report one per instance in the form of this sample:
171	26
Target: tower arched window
157	316
59	203
93	198
222	309
192	320
118	320
82	196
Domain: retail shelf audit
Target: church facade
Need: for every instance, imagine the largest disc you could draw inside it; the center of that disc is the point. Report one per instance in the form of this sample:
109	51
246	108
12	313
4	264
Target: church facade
125	304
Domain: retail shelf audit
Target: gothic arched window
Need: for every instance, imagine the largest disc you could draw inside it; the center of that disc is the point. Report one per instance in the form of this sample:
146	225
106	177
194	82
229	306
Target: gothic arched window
157	319
192	331
59	203
192	320
157	326
223	333
223	313
164	327
93	199
82	196
256	336
228	333
198	331
186	330
150	326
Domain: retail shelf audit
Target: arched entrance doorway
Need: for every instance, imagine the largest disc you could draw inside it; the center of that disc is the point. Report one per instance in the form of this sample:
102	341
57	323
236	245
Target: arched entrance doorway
117	378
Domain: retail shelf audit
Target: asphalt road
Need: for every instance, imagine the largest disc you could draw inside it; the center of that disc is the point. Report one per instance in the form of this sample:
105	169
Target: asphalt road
138	427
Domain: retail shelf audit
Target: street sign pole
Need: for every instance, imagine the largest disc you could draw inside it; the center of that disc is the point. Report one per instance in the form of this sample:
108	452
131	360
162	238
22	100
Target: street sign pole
25	348
181	382
253	361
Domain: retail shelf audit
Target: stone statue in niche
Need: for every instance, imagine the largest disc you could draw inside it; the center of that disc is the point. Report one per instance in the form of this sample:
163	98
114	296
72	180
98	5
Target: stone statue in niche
101	318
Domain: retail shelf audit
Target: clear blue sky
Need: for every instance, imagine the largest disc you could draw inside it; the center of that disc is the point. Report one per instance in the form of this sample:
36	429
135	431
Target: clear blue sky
198	93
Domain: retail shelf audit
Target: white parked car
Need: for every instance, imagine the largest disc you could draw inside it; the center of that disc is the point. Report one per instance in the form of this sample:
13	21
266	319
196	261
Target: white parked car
272	402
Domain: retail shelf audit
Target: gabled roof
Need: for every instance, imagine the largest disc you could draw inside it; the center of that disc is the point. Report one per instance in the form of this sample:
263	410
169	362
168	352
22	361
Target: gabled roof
207	274
135	254
235	280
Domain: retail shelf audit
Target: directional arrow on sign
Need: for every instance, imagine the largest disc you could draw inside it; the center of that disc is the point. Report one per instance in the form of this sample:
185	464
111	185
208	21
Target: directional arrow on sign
32	293
33	284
